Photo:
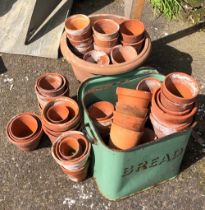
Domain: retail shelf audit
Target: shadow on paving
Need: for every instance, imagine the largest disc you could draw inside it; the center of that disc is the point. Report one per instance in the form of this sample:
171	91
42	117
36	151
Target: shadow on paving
168	59
2	67
6	5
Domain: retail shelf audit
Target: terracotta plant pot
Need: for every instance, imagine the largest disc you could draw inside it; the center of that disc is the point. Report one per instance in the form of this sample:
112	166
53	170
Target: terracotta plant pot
124	139
164	109
131	110
149	84
80	37
101	113
58	113
172	106
77	175
123	54
76	167
107	44
82	43
84	70
161	130
25	131
69	148
106	29
180	88
98	57
137	98
129	122
138	45
106	50
73	119
83	50
77	24
132	31
169	119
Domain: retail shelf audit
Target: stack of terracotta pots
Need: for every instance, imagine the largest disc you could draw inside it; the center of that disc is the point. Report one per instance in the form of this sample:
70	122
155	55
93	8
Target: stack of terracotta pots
97	56
106	34
25	131
129	118
60	115
49	86
132	32
102	113
174	105
79	33
71	151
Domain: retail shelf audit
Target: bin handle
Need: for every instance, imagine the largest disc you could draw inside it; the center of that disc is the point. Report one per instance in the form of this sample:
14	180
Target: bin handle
89	133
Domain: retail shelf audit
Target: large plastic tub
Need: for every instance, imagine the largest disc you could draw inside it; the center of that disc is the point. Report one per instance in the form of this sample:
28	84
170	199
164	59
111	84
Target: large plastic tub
121	173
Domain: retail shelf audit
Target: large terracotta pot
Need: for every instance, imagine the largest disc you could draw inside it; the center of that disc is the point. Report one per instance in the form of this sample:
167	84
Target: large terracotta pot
84	70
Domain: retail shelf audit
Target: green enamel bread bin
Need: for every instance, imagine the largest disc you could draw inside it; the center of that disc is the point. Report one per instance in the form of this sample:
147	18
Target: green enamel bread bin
120	174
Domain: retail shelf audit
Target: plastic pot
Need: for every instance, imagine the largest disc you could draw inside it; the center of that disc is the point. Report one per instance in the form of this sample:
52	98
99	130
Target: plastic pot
77	24
98	57
123	54
105	29
132	31
180	88
84	70
124	139
149	84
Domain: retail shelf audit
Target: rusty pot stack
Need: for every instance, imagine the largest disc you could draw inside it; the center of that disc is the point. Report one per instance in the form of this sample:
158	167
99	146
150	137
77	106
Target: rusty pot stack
129	118
25	131
106	34
60	115
174	105
133	34
101	113
49	86
79	33
71	151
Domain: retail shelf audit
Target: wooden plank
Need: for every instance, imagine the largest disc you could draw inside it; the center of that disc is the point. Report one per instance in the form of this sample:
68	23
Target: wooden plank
134	8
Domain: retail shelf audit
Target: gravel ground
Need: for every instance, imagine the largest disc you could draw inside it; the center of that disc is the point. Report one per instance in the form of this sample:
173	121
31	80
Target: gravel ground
34	181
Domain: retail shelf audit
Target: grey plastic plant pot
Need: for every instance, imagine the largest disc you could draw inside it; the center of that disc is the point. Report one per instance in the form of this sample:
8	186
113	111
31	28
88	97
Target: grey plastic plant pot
119	174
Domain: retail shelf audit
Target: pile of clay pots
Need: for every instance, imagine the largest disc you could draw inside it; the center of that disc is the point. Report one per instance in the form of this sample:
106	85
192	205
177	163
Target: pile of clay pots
174	104
71	151
25	131
60	115
49	86
122	42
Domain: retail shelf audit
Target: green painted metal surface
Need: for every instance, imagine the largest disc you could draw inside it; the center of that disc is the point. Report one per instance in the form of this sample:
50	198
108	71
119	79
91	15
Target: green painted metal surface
121	173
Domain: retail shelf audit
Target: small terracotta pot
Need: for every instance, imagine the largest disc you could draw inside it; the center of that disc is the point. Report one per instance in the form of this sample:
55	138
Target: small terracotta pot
180	88
148	136
101	110
149	84
80	37
161	130
75	163
172	106
73	119
98	57
123	54
134	97
138	45
129	122
81	44
77	24
105	29
169	119
132	31
107	44
124	139
69	148
77	175
83	50
23	126
25	144
131	110
58	113
107	50
164	109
